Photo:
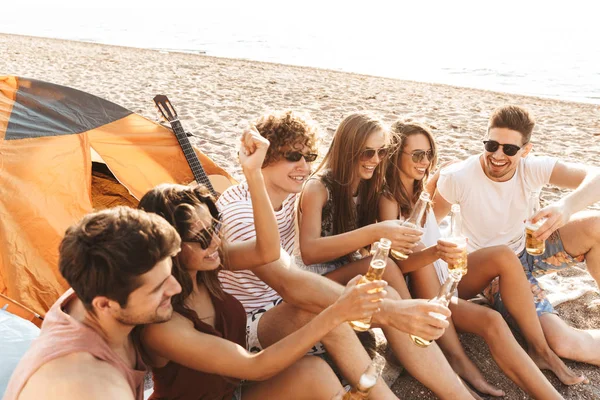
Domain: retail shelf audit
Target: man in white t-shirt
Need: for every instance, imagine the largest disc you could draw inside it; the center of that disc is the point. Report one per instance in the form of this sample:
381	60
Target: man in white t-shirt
493	190
292	148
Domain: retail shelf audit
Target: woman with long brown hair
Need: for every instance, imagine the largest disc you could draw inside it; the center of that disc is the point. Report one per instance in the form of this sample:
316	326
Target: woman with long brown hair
200	353
414	156
337	213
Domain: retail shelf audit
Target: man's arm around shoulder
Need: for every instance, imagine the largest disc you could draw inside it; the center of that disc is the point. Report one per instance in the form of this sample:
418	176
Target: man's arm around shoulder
76	376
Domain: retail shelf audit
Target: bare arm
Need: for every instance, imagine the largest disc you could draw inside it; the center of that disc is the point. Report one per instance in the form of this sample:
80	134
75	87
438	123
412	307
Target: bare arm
76	376
306	290
317	249
441	207
586	182
265	248
178	341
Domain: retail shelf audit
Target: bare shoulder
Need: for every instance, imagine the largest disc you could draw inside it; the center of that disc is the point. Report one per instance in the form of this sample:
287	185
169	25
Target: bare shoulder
77	375
314	189
155	334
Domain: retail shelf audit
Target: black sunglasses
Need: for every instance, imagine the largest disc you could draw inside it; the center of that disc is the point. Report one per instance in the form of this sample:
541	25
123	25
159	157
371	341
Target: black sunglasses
205	236
367	154
508	149
294	156
419	155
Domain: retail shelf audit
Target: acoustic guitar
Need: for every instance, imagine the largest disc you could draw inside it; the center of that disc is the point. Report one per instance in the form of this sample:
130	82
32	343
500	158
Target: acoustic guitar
216	184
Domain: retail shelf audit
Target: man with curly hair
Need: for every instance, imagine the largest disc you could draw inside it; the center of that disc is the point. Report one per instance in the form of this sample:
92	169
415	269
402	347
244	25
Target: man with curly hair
280	297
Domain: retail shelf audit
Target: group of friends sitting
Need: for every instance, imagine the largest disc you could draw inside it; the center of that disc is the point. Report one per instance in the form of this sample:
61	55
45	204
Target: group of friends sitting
234	298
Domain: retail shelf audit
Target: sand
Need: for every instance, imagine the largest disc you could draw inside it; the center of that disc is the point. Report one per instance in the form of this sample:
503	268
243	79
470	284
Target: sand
214	96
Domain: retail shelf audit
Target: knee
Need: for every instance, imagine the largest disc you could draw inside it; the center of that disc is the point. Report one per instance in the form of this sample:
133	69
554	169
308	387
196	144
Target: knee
494	325
311	369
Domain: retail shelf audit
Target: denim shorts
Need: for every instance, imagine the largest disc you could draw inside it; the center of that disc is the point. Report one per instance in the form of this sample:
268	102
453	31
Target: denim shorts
553	259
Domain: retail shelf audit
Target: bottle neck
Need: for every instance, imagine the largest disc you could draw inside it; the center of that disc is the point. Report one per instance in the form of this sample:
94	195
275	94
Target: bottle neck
448	288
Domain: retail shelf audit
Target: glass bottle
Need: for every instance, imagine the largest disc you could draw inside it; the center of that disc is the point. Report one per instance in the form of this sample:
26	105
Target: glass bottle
456	270
367	380
380	251
534	246
413	221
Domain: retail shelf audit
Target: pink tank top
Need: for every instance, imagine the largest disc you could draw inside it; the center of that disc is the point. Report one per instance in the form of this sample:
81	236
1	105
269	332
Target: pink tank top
62	335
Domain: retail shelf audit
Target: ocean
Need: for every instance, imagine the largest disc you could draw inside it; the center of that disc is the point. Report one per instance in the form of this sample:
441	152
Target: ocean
548	49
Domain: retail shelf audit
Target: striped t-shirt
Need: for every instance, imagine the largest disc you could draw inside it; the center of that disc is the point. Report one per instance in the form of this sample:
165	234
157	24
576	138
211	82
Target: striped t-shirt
237	220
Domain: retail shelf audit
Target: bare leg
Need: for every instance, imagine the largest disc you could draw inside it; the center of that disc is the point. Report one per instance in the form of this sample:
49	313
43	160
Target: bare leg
427	365
342	344
582	236
571	343
308	378
425	285
505	350
489	263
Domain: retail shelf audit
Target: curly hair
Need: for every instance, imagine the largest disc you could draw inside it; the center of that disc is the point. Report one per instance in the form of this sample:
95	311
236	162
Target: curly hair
285	131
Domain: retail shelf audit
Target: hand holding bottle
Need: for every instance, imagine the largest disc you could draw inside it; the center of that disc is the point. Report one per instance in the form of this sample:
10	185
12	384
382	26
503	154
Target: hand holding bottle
403	238
359	301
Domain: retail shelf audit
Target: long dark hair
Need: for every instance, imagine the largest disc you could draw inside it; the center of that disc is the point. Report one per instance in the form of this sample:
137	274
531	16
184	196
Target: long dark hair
177	204
395	190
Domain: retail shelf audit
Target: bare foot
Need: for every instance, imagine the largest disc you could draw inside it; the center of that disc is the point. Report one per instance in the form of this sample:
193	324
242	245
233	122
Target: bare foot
468	371
552	362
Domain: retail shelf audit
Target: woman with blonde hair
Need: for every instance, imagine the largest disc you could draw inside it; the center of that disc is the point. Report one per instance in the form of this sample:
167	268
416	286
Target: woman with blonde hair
201	352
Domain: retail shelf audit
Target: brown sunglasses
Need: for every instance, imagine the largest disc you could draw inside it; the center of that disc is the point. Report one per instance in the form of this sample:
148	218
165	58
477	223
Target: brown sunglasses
368	154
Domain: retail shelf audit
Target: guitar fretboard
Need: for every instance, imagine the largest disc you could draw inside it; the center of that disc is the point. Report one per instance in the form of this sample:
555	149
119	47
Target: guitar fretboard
191	157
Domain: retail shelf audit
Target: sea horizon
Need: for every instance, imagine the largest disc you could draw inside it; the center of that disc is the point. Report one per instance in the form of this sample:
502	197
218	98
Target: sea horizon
543	59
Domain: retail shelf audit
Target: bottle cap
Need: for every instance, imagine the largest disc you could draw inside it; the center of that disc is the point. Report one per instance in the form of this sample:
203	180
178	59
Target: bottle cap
385	243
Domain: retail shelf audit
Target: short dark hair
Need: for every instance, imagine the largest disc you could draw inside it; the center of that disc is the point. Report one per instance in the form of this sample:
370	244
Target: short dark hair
515	118
106	252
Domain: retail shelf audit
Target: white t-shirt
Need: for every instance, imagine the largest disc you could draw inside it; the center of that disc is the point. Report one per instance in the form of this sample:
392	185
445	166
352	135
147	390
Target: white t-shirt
431	235
237	220
494	212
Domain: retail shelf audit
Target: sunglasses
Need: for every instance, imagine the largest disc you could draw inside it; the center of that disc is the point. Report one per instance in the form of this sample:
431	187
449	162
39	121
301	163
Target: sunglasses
368	154
508	149
419	155
205	236
294	156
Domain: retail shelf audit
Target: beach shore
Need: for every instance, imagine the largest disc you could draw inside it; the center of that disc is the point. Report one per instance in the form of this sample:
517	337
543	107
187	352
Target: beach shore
215	96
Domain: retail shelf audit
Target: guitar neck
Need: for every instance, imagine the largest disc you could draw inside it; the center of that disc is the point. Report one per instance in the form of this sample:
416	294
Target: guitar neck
191	157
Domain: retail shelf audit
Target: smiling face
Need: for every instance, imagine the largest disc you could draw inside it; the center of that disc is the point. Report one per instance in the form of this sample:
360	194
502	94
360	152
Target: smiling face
410	170
193	256
375	141
286	176
151	302
498	166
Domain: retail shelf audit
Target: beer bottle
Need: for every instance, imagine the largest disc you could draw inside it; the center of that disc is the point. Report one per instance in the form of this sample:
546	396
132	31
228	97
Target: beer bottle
413	221
456	270
534	246
379	253
367	380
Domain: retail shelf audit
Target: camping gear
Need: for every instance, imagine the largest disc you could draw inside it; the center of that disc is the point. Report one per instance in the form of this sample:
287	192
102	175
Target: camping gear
50	137
16	335
216	184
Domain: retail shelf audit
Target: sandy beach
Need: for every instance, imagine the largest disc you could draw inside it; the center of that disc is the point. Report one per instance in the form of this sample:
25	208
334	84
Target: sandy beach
215	96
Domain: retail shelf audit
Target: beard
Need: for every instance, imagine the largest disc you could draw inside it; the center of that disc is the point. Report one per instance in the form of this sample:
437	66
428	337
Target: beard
156	317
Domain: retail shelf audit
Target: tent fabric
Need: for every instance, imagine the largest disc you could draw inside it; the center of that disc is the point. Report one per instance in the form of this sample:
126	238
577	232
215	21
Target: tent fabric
47	133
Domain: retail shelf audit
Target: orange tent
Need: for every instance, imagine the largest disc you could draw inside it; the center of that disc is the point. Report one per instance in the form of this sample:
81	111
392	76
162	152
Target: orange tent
48	134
